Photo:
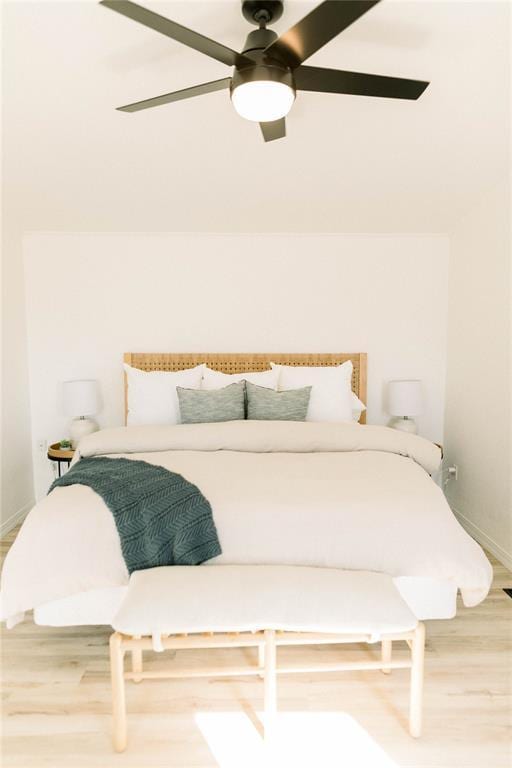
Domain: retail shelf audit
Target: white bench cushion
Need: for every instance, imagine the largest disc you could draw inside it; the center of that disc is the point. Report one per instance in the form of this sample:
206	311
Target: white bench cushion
238	598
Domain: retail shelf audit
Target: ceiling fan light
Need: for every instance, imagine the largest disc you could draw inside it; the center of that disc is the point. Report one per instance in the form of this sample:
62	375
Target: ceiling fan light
263	100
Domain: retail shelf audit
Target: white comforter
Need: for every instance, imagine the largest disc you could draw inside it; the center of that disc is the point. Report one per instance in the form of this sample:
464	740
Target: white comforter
334	495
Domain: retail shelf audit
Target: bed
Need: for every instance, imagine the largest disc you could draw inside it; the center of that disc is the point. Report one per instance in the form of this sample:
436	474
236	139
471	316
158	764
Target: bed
346	495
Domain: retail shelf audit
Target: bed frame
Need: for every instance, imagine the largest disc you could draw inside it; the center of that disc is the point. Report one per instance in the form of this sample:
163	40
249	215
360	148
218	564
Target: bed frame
241	362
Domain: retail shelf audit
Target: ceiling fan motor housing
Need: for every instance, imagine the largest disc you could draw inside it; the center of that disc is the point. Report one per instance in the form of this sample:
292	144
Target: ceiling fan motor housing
258	40
266	71
265	67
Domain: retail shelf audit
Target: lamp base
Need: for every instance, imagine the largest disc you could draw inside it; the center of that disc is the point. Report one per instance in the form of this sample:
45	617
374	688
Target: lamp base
404	424
79	428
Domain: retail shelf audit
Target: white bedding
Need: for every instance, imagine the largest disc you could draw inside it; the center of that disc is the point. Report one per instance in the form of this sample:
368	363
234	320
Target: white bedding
427	599
318	494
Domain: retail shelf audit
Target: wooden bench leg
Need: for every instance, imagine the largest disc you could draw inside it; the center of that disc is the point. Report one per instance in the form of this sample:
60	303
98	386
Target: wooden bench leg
418	657
137	661
386	654
118	693
261	658
270	705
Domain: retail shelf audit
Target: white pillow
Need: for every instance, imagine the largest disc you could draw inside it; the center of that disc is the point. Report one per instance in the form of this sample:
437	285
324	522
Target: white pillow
357	407
216	379
152	397
331	394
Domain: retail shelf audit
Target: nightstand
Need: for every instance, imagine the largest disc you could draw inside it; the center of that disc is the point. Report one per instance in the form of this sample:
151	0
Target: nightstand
55	453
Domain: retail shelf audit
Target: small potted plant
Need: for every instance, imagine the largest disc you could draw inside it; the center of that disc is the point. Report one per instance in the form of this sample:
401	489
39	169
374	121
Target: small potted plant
65	445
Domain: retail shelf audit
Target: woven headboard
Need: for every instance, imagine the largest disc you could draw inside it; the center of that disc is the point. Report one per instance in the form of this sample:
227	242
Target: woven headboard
246	361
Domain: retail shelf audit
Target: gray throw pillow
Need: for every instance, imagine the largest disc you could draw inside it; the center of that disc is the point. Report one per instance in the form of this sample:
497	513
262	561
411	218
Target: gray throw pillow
202	405
269	405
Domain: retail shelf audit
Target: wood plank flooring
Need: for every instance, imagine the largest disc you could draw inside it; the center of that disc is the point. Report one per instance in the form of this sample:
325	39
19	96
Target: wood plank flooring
56	704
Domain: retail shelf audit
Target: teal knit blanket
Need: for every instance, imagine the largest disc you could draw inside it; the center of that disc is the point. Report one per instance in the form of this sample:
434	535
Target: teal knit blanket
161	518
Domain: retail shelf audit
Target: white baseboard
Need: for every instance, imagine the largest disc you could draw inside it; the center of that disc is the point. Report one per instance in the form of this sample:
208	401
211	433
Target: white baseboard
14	519
484	540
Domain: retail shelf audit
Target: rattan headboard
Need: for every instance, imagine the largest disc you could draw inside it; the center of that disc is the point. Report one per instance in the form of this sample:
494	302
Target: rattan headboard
247	361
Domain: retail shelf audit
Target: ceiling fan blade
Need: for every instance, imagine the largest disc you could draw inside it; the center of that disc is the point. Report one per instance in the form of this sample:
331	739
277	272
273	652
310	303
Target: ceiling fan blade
357	83
185	93
274	130
177	32
316	29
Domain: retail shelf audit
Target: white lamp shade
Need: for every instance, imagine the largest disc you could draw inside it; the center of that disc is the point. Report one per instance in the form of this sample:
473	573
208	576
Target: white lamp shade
80	397
405	398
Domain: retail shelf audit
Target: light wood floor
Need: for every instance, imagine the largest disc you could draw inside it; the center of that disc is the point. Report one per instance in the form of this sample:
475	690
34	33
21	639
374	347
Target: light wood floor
56	704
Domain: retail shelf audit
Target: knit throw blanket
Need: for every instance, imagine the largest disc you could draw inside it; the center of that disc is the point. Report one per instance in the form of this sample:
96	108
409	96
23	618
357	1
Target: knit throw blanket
161	518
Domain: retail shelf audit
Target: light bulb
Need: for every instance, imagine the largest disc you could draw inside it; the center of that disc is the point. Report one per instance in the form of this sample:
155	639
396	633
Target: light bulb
263	100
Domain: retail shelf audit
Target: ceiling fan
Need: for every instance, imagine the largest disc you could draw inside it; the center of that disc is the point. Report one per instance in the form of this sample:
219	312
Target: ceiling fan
270	69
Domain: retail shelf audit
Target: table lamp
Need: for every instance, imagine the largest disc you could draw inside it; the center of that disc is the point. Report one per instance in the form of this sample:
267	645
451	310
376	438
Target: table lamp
405	400
80	401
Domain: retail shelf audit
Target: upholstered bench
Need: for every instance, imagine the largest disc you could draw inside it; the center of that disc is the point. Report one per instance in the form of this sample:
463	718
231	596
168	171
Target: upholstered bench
185	607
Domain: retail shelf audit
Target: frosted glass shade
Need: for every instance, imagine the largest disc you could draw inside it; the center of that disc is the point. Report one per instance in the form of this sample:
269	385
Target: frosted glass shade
405	398
263	100
80	397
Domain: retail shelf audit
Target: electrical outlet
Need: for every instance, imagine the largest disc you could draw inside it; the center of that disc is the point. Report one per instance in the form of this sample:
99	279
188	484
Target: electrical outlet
453	472
42	445
449	474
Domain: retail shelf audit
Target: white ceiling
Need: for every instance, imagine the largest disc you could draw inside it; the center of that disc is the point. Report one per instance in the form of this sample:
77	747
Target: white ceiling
71	162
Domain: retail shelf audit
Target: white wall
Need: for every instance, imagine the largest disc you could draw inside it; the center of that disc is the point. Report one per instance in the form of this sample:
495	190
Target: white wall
478	396
17	491
92	297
